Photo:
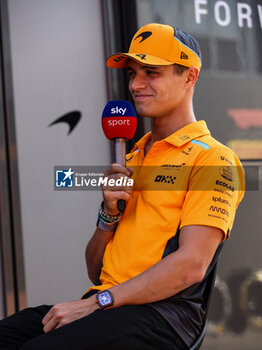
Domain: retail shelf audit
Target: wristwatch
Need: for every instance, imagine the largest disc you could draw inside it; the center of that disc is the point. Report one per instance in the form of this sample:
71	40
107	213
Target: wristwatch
104	299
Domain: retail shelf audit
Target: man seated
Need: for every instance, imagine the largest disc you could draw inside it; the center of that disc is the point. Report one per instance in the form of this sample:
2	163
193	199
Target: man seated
150	265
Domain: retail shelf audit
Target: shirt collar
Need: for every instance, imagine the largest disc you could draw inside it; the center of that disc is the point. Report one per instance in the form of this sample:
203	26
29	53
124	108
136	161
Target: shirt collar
142	142
188	133
180	137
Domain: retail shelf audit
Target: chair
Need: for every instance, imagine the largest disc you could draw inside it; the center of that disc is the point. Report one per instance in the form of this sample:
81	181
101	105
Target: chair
210	288
198	342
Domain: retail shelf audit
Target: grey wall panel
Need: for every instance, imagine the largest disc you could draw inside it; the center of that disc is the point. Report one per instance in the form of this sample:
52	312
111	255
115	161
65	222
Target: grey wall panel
58	67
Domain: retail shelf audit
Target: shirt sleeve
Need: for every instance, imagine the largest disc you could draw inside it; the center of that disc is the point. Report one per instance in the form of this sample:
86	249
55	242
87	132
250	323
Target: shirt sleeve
216	187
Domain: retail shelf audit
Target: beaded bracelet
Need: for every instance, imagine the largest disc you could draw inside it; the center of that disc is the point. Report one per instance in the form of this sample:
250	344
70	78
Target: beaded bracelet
109	219
106	222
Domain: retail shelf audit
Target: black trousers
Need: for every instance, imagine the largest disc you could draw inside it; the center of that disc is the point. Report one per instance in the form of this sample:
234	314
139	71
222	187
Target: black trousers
124	328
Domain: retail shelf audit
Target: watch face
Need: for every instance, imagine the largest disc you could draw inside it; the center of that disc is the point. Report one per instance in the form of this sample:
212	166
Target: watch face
105	299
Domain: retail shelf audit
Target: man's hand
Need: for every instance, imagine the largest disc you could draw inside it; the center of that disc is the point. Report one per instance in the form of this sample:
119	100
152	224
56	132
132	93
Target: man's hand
112	194
64	313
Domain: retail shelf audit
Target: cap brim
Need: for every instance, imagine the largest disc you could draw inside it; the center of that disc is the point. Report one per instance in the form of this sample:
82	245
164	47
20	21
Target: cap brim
120	60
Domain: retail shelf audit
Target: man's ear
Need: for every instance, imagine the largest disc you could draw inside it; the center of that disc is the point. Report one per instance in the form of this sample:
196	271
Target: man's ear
192	74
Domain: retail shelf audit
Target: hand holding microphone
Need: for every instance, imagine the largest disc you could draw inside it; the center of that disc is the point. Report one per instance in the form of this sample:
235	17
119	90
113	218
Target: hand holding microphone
119	125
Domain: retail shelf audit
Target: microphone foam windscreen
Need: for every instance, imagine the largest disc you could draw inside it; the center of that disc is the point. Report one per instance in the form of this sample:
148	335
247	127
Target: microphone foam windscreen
119	120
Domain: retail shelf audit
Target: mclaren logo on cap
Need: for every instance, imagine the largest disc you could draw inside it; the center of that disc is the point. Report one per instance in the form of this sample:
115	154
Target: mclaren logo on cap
144	36
183	56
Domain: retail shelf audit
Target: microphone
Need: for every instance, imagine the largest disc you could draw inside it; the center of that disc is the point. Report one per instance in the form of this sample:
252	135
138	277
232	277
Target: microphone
119	125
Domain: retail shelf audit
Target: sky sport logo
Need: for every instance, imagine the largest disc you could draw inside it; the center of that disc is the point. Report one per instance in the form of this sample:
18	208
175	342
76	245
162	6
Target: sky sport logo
64	178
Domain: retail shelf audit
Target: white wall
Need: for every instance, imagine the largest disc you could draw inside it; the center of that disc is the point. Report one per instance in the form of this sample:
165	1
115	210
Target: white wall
58	66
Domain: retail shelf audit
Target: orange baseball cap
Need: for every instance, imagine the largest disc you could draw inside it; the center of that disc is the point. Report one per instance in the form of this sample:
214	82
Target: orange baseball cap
159	45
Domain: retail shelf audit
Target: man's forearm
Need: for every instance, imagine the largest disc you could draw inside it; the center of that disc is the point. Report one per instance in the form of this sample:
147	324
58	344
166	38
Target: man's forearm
166	278
96	247
175	272
94	253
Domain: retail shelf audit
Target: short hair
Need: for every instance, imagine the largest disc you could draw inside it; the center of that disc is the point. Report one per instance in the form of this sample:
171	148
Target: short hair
179	69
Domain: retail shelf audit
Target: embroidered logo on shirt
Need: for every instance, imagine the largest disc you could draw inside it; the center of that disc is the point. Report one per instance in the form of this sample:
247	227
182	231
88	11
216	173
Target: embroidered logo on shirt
173	166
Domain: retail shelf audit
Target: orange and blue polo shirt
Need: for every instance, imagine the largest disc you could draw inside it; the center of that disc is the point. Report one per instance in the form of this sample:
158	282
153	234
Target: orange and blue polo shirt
188	178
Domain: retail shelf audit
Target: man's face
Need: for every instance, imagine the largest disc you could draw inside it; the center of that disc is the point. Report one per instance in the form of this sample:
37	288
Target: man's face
157	91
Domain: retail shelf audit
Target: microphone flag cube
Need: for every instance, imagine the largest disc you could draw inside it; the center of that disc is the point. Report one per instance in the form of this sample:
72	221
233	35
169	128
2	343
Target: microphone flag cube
119	120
